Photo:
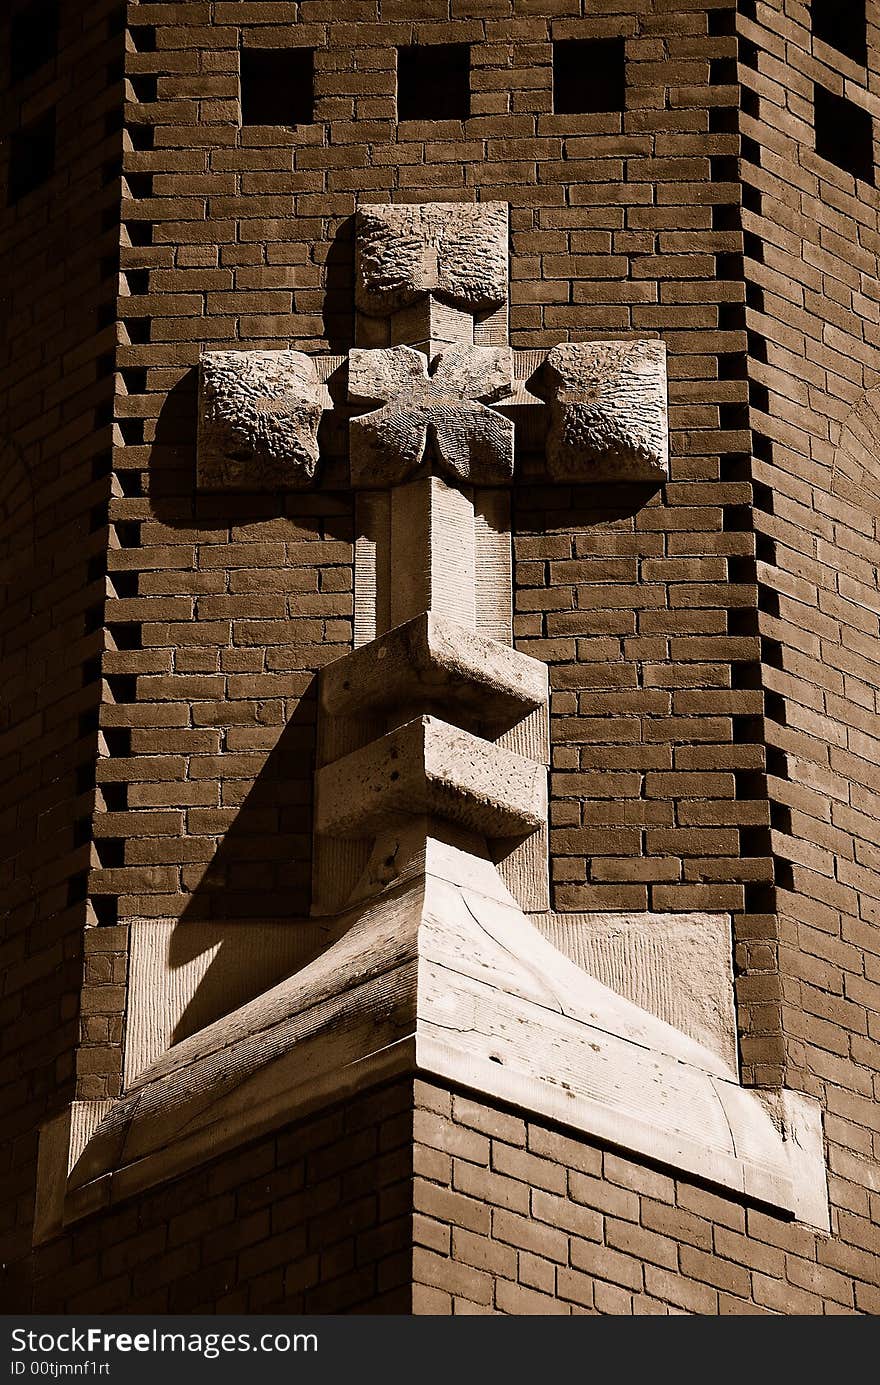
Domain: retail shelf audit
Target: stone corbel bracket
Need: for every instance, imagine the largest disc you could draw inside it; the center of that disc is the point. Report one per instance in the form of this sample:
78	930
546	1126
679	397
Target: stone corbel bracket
436	662
431	721
441	975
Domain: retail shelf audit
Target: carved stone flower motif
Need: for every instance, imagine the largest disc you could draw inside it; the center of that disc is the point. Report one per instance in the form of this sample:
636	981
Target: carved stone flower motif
439	409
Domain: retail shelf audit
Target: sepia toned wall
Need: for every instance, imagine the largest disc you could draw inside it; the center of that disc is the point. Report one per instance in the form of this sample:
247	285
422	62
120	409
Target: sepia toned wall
711	645
59	270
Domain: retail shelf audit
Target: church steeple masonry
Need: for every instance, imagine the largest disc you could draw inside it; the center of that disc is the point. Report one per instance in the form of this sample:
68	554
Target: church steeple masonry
439	533
431	791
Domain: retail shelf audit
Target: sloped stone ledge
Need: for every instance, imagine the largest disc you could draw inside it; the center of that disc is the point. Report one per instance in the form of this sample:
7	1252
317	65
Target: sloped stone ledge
678	966
443	975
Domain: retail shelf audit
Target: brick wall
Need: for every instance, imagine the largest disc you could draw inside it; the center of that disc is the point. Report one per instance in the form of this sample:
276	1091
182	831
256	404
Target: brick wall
685	630
58	267
515	1217
812	242
314	1220
419	1199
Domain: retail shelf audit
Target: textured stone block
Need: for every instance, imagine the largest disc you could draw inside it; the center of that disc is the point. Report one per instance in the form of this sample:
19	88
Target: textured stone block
258	419
381	519
677	966
432	659
455	249
62	1141
441	407
183	975
607	411
427	768
433	542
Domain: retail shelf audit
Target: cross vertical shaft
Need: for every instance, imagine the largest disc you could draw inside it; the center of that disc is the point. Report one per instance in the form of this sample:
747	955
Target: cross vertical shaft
434	560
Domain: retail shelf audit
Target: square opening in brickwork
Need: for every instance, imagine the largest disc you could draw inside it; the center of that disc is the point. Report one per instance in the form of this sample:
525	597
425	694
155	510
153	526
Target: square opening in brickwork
844	133
589	74
434	82
33	38
277	86
842	25
31	157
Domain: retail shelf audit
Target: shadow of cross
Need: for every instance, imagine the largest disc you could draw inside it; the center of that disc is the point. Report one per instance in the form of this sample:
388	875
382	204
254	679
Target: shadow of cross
433	715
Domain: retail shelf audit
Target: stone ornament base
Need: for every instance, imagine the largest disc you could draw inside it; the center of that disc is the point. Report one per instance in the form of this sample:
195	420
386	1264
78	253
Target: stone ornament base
434	660
429	767
442	975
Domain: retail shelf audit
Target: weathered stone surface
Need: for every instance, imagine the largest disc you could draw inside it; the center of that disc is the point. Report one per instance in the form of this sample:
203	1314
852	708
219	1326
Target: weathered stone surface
183	975
457	250
677	966
258	419
442	408
442	974
381	601
855	467
62	1141
435	660
431	324
607	411
432	540
428	768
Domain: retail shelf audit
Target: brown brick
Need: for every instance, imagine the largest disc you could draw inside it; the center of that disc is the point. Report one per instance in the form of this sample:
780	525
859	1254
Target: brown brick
516	1298
726	620
528	1235
603	1263
451	1276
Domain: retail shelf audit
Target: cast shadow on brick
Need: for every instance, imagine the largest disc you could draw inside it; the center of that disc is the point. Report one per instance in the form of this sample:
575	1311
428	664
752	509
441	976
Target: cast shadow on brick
46	801
261	872
338	310
540	508
176	501
19	485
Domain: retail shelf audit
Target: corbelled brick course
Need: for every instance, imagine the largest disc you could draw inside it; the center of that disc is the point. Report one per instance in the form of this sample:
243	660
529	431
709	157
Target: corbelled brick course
59	267
811	272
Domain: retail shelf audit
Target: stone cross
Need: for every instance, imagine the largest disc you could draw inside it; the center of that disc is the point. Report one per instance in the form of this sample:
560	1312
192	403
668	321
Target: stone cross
431	786
433	716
